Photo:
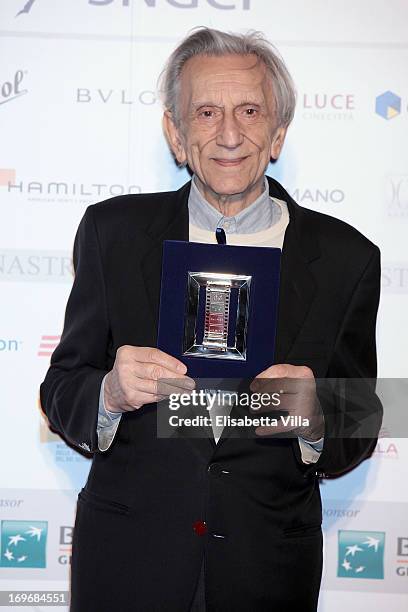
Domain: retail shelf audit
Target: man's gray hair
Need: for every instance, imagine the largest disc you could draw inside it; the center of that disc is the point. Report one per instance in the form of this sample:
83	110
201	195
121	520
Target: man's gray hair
207	41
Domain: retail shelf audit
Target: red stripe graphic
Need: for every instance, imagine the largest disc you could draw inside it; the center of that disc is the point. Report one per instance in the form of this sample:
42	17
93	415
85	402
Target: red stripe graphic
47	345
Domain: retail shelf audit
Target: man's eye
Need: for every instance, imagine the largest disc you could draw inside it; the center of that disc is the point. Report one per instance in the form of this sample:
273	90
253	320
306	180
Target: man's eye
250	112
207	114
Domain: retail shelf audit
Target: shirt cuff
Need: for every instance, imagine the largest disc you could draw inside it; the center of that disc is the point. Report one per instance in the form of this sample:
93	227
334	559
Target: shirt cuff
310	451
108	422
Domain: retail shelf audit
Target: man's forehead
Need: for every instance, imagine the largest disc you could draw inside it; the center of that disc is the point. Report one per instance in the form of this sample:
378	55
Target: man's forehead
231	70
208	96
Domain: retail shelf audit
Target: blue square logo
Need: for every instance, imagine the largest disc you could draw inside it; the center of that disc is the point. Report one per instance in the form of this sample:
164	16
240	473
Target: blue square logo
23	543
361	554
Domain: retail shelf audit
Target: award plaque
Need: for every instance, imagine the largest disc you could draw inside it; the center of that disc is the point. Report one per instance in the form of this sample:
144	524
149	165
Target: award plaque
218	307
221	311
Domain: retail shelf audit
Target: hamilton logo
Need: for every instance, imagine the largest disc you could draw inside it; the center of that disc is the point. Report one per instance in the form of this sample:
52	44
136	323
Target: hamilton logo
26	8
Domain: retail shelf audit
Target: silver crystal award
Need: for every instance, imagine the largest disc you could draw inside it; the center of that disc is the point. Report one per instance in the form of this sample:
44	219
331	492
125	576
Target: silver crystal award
216	318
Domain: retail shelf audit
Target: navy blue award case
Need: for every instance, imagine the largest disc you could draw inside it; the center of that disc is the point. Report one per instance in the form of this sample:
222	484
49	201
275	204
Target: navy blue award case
261	264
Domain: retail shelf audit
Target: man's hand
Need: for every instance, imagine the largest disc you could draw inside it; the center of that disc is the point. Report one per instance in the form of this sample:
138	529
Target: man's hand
297	391
133	380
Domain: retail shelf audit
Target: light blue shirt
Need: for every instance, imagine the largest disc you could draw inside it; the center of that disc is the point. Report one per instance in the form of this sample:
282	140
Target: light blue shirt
260	215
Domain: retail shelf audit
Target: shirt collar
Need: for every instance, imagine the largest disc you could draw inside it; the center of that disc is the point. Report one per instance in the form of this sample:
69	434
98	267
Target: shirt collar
258	216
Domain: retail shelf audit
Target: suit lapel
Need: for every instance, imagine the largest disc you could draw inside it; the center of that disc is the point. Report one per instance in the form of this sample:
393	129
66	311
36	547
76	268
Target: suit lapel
296	292
174	227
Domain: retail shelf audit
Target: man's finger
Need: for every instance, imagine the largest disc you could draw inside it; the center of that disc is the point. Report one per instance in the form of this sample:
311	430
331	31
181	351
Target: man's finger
279	370
286	370
140	399
287	404
283	385
154	355
153	371
273	431
166	386
146	385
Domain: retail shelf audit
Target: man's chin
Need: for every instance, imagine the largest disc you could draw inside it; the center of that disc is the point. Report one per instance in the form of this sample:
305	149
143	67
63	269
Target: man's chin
228	187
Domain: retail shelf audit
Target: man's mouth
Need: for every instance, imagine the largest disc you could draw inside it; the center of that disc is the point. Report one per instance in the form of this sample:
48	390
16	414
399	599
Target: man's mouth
229	162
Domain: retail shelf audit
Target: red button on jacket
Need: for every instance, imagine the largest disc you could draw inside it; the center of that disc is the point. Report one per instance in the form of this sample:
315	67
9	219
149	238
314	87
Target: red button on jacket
200	527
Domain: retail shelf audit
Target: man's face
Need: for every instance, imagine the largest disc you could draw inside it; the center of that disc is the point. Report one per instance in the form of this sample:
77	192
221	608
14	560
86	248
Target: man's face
228	127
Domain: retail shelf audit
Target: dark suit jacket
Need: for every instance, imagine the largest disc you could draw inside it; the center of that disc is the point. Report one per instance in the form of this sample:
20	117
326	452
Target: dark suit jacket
134	544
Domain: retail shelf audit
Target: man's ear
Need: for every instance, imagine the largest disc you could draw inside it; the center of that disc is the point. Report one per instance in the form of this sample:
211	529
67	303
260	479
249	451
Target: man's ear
173	137
277	142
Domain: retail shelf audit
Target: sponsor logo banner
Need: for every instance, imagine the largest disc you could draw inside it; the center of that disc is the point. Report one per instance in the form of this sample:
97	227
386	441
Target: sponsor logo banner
223	5
388	105
10	345
36	533
23	543
361	554
333	106
13	87
47	345
394	277
366	546
396	195
309	196
35	266
60	190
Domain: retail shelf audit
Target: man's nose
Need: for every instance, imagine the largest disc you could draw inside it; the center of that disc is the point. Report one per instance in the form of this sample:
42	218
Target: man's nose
230	133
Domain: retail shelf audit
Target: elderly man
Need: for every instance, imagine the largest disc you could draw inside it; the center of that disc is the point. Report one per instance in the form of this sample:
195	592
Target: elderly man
222	524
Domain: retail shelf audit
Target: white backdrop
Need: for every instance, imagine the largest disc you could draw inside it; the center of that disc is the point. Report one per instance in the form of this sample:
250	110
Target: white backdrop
80	121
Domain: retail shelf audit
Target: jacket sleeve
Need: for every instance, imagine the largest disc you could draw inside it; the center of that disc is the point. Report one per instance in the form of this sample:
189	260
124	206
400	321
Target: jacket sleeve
352	410
70	391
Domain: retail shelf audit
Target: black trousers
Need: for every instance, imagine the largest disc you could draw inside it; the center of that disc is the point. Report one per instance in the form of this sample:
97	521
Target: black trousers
198	604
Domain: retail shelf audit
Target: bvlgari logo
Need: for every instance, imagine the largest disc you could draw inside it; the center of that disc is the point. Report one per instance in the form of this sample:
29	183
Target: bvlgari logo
115	96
